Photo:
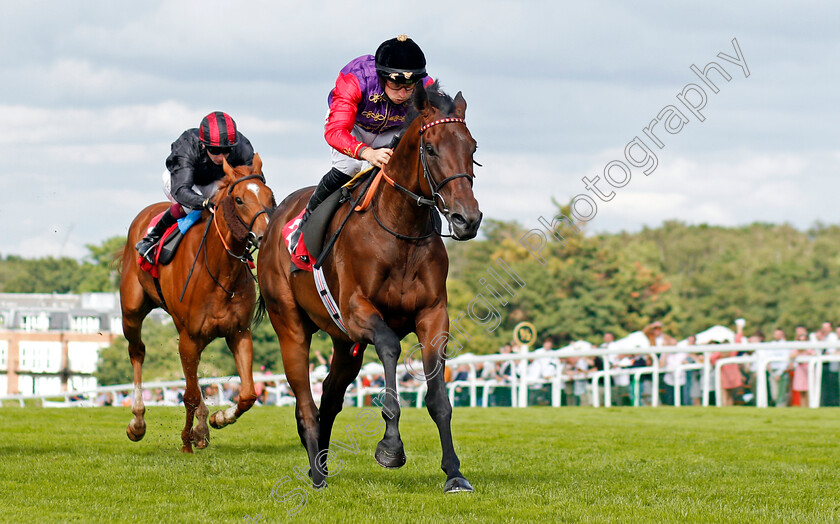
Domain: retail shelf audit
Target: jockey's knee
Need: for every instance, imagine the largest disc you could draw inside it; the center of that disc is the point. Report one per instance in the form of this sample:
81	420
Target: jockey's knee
177	211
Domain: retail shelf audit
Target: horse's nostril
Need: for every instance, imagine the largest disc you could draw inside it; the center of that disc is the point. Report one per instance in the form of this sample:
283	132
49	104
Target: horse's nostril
458	220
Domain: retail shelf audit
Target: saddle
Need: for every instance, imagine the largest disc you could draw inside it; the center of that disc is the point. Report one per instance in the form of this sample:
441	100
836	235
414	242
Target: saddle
165	250
311	244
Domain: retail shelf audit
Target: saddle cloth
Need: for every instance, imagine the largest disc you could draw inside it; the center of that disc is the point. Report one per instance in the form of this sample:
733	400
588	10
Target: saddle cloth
311	241
164	251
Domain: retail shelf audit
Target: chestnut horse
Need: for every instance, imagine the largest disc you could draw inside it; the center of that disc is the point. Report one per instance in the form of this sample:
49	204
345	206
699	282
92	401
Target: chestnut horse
219	295
387	271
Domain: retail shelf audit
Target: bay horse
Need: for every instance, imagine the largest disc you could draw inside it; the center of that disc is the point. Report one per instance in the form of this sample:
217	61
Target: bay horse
387	271
207	289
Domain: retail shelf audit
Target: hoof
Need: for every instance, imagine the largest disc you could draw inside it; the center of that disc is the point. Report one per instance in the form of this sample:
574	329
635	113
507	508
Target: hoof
322	475
187	448
219	420
457	484
389	459
200	440
135	436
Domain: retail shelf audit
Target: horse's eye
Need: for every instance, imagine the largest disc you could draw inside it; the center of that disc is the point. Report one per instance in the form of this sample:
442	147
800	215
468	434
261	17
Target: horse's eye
239	201
430	149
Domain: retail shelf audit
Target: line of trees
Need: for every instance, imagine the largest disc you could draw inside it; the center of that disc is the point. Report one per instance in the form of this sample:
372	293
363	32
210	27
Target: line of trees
97	272
690	277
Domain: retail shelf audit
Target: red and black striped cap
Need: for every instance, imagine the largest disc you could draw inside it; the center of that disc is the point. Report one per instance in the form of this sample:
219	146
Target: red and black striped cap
217	130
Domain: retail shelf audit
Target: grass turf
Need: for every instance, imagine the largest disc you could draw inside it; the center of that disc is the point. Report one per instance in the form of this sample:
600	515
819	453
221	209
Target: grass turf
536	464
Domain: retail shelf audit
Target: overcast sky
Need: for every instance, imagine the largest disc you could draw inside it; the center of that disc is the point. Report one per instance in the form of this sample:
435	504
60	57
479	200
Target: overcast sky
93	94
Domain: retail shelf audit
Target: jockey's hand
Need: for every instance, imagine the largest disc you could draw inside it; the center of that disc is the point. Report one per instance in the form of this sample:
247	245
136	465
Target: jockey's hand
377	157
208	204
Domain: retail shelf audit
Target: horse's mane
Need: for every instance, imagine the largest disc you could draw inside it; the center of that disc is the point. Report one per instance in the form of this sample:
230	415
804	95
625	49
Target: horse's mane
436	97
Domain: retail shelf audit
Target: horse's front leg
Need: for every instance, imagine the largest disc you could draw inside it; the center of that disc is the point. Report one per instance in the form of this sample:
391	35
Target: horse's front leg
193	400
242	347
433	333
389	452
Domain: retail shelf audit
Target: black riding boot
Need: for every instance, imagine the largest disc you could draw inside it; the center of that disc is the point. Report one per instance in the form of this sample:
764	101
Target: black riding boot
146	246
329	184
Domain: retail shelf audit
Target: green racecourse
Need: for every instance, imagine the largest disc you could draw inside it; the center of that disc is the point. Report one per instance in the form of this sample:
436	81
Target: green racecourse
536	464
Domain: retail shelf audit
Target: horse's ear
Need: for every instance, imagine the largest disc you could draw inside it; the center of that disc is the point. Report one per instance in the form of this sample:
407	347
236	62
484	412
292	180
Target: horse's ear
421	98
460	105
228	170
230	174
257	164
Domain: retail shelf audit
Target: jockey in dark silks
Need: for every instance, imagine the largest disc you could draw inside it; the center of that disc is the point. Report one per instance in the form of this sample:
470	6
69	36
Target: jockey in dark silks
368	105
194	168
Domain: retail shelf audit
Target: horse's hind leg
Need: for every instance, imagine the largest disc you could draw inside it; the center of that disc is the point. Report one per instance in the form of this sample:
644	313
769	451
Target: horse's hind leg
343	370
241	345
193	400
294	344
135	307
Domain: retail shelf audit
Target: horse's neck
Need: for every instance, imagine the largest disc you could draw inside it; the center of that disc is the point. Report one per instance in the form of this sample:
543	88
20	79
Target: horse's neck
404	165
405	216
222	264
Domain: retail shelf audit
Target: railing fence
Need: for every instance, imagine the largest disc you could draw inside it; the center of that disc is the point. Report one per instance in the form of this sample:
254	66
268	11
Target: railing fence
520	383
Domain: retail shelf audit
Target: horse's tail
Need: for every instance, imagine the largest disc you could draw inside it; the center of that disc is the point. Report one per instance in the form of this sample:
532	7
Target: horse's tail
117	261
259	314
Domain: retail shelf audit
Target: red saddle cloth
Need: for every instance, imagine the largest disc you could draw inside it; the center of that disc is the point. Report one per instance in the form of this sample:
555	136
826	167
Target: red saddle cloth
301	257
152	269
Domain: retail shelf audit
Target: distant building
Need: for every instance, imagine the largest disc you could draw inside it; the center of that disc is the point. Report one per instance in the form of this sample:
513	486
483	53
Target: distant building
49	343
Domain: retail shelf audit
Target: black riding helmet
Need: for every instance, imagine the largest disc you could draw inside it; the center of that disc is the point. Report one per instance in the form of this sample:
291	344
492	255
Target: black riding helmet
400	60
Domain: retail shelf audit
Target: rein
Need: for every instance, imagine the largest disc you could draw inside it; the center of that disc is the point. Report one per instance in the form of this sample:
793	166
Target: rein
421	201
246	257
189	276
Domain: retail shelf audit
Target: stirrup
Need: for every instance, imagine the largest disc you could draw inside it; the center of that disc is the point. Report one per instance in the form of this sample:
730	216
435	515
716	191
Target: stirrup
296	235
293	241
149	252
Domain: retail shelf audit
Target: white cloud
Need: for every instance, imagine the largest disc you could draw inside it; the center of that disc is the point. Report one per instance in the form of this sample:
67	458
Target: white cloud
726	188
729	188
147	124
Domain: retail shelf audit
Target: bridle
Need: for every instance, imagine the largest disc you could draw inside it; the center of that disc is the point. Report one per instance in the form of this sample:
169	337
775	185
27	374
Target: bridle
437	201
252	238
436	187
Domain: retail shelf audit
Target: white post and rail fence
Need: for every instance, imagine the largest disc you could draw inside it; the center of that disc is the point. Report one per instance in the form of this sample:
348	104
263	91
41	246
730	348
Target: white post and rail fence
516	386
